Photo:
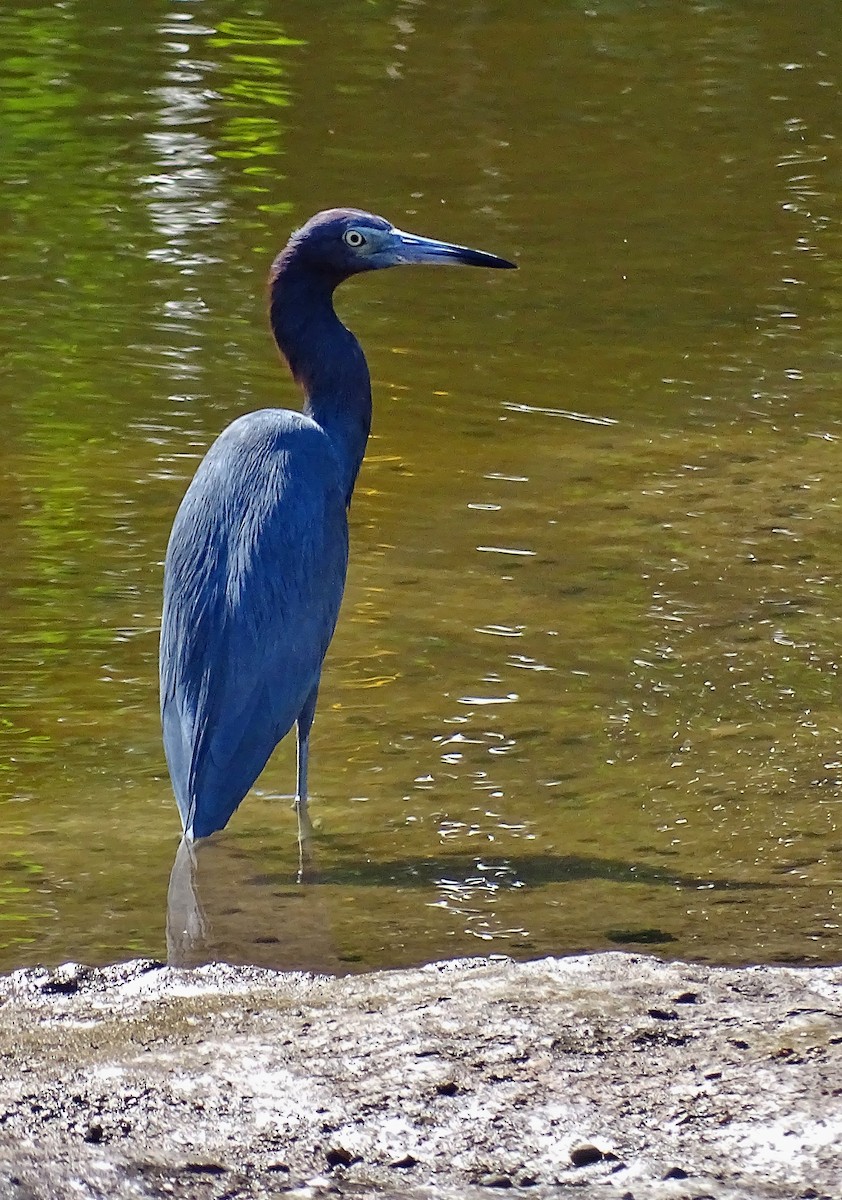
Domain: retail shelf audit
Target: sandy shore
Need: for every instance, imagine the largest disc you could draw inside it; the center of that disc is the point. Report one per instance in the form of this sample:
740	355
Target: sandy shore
605	1075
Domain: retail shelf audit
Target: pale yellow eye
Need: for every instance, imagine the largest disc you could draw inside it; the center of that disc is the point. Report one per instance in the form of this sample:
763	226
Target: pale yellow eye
353	238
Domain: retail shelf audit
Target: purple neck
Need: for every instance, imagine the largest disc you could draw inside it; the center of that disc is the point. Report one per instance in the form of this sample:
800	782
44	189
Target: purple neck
325	358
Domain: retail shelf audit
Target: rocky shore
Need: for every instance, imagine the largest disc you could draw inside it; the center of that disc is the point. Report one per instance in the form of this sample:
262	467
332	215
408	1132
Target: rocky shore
606	1075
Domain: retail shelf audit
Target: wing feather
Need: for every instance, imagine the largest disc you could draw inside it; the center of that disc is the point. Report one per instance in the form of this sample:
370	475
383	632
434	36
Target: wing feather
253	581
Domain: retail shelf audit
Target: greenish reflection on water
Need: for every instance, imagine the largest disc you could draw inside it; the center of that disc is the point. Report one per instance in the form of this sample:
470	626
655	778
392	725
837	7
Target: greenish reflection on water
584	692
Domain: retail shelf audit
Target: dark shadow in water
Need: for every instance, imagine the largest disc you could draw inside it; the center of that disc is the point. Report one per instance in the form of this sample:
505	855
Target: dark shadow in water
219	909
530	870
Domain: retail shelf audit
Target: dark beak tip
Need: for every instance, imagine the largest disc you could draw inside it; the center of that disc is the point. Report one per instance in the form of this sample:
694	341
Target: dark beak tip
482	259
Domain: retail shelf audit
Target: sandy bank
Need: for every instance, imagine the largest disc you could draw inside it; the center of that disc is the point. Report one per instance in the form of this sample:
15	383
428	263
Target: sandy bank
605	1075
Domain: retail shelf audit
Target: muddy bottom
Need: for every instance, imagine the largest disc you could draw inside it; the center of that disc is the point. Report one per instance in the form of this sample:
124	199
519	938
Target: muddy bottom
604	1075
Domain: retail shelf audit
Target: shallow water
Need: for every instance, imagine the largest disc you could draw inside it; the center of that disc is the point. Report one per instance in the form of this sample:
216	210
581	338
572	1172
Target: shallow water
584	691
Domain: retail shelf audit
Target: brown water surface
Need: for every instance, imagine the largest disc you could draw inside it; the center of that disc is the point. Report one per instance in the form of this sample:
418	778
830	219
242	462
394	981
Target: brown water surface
585	689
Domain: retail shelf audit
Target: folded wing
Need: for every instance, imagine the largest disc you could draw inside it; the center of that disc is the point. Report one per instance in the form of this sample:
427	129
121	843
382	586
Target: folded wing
253	581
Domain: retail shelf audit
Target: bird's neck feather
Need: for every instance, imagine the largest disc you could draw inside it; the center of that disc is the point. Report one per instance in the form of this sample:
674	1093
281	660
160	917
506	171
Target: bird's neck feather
326	361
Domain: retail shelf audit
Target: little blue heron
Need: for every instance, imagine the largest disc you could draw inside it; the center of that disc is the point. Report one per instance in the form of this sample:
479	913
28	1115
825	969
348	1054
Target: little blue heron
255	566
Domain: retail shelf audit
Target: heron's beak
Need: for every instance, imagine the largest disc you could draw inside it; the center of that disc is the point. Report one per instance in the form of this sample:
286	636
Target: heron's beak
409	248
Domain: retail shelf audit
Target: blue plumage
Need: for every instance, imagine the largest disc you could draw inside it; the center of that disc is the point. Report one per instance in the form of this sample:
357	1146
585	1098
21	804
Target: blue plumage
256	562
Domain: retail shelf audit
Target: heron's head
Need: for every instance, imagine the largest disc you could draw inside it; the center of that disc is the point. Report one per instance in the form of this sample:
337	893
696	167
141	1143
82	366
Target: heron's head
345	241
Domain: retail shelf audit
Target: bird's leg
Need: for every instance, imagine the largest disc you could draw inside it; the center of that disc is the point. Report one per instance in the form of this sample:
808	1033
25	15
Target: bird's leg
305	825
305	720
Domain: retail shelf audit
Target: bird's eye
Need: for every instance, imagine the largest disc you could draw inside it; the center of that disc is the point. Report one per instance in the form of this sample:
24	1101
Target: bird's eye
353	238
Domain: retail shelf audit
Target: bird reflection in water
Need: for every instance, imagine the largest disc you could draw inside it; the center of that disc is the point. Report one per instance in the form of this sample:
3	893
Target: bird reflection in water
222	906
